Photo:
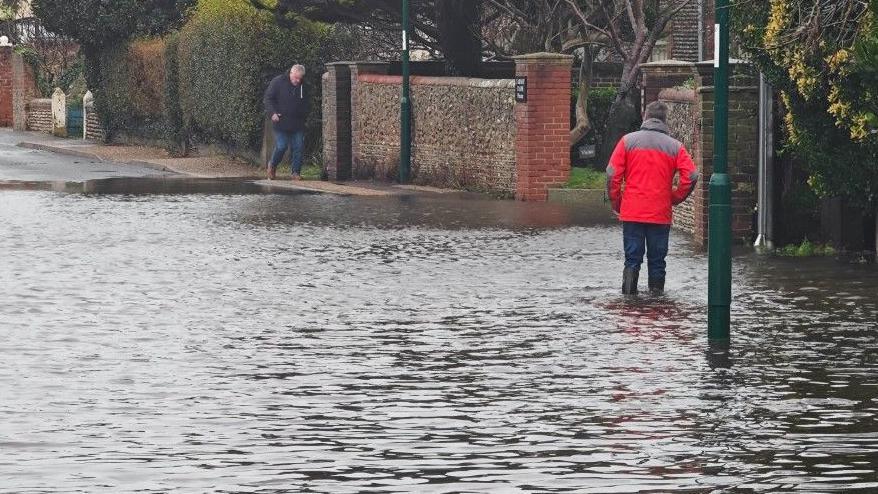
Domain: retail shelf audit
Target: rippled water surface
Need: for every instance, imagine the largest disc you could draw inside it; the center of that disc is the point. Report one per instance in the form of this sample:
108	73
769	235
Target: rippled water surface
298	343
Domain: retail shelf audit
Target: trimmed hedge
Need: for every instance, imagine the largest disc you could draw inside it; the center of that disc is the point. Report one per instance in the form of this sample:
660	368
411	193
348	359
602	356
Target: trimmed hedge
131	96
227	54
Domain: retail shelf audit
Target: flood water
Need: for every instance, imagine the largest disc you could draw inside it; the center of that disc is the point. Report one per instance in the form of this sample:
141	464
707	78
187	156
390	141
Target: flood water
165	340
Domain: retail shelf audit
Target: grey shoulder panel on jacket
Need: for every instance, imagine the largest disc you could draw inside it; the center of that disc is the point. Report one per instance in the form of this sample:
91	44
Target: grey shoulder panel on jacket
649	140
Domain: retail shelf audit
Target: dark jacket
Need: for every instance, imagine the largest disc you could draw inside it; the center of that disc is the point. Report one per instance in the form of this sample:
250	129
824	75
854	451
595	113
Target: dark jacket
647	162
289	101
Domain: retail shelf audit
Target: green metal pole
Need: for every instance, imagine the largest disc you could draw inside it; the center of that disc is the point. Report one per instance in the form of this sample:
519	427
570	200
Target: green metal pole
719	295
405	151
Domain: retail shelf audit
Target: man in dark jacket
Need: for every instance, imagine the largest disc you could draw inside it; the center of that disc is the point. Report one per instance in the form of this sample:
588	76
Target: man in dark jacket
286	103
646	162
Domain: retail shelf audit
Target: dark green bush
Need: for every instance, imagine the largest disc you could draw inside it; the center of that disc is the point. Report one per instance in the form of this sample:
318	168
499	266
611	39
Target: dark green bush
599	102
130	95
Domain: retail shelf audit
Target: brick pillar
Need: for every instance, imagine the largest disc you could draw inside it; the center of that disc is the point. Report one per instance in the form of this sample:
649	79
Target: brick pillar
5	86
337	121
542	149
664	75
743	148
357	68
24	89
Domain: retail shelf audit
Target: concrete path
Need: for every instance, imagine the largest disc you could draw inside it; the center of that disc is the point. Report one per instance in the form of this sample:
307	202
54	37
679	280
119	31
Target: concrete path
330	188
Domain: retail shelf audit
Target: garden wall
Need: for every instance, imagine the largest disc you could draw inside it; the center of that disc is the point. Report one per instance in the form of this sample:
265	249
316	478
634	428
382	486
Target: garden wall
39	115
463	131
5	86
691	121
681	121
487	135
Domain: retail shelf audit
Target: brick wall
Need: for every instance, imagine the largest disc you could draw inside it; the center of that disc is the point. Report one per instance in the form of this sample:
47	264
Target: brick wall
467	133
684	34
93	129
743	160
356	70
658	76
604	75
543	138
463	131
682	123
5	86
24	89
39	115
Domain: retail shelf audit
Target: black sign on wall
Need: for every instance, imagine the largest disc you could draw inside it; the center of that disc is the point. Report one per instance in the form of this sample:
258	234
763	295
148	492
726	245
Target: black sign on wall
521	89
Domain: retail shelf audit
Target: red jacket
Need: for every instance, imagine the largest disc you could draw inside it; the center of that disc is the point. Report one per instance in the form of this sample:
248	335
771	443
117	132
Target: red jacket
647	161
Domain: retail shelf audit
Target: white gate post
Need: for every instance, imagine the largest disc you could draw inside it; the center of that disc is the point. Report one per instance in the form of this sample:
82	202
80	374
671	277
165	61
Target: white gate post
87	107
59	113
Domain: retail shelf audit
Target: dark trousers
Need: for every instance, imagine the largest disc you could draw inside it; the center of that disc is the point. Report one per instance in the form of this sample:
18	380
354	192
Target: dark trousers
283	141
649	239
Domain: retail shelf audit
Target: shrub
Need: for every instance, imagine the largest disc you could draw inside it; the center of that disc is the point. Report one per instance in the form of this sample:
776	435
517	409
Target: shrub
599	102
130	95
227	54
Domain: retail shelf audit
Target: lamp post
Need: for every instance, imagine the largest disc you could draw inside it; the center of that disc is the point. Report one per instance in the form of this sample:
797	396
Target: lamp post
719	294
405	150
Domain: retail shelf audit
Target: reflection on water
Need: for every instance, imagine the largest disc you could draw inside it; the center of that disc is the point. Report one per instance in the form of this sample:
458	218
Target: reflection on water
231	342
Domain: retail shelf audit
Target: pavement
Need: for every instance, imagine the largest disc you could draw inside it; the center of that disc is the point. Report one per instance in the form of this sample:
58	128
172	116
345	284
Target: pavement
31	164
39	157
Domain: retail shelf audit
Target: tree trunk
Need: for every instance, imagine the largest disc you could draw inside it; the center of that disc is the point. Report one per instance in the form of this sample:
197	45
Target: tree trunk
583	124
625	113
459	27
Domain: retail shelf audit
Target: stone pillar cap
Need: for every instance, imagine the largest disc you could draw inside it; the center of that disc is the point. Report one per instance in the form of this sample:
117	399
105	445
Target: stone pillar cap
560	57
668	63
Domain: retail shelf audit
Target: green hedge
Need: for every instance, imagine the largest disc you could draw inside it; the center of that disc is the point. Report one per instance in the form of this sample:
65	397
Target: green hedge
130	94
227	54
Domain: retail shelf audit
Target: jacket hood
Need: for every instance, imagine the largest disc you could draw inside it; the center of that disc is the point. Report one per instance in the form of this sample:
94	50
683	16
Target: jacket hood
656	125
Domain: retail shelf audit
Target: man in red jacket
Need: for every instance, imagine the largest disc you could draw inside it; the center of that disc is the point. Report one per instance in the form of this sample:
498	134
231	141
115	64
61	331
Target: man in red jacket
640	183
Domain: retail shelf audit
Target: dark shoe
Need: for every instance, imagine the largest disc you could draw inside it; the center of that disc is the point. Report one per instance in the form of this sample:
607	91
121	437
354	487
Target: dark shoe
629	281
272	173
657	287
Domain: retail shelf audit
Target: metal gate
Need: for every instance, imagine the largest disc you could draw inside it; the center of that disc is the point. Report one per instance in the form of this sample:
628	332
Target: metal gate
74	122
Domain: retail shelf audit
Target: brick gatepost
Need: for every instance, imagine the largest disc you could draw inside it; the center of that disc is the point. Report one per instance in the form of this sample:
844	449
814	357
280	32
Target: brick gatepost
5	86
542	148
743	148
337	157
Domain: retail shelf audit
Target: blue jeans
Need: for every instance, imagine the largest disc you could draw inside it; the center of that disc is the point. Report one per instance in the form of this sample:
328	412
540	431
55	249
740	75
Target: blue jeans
284	140
645	238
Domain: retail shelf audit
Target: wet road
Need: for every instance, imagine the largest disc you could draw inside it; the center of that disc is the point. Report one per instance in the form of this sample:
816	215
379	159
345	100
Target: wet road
231	342
19	165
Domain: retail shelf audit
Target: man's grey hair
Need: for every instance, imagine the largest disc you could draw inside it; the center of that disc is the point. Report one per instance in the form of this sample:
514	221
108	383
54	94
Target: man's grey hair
657	110
298	68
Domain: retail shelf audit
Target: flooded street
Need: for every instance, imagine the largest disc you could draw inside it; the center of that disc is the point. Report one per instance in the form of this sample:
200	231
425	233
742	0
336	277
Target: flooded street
227	341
